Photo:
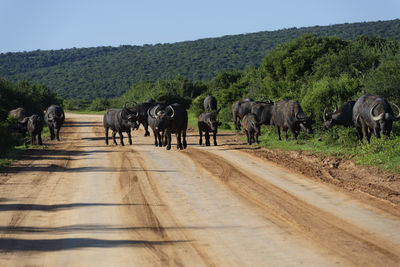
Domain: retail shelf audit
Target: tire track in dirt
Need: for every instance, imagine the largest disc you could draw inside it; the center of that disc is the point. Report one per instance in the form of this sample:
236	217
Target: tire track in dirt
153	214
295	215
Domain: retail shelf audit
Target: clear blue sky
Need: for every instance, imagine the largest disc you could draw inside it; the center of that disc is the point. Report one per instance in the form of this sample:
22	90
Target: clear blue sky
27	25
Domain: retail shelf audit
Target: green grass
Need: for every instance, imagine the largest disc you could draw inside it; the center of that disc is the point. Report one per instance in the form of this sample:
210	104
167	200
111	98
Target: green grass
16	152
383	153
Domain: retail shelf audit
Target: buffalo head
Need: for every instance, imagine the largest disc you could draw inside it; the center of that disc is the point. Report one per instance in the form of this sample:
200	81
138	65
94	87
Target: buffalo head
130	116
384	119
305	122
162	116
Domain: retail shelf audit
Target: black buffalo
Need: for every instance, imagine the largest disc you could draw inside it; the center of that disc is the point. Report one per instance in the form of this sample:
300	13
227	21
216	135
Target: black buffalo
142	114
210	103
287	114
153	113
263	112
251	127
172	119
54	118
119	120
342	116
20	115
208	123
35	127
242	107
373	114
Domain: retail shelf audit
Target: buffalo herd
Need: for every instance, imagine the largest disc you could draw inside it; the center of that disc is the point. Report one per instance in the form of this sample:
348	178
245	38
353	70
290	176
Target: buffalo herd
53	117
369	114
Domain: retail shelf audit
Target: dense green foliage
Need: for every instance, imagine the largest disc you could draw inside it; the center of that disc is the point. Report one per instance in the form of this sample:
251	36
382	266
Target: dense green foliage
110	71
33	98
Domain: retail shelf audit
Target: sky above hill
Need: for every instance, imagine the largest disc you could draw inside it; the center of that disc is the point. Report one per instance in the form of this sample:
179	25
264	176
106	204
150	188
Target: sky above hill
27	25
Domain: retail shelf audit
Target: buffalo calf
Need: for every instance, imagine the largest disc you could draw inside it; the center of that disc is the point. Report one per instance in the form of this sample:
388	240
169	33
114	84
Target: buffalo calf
35	127
208	123
251	127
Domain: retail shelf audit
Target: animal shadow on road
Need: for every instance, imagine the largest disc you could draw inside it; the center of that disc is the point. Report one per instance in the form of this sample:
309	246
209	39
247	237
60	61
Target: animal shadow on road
15	244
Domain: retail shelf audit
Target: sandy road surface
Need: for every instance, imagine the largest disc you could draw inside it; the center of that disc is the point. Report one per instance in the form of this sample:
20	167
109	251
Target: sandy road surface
81	203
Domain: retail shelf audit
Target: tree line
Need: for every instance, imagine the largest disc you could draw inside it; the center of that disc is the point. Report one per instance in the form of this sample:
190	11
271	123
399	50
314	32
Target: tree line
110	71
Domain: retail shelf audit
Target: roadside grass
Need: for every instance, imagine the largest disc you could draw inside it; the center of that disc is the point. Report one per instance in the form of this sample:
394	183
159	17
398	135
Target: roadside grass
383	153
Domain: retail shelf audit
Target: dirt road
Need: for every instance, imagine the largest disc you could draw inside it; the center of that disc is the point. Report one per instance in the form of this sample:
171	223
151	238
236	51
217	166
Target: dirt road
82	203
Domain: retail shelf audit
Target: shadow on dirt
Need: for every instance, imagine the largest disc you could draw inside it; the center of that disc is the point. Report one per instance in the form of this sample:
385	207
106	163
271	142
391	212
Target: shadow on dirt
57	207
15	244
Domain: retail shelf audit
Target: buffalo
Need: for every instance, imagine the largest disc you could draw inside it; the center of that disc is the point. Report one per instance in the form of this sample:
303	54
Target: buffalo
263	112
54	118
251	127
35	127
342	116
172	119
142	113
242	107
208	123
119	120
373	114
20	115
153	113
287	114
210	103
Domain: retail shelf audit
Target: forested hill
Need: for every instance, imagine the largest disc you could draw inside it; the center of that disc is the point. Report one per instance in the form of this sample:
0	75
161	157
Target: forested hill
109	71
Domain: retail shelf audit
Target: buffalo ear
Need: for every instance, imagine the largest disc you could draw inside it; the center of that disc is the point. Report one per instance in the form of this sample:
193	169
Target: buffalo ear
219	123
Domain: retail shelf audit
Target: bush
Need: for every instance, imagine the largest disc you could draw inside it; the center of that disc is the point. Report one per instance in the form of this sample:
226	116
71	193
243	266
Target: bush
99	104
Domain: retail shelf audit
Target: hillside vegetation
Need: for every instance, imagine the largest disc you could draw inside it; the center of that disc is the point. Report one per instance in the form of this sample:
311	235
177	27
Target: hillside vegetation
110	71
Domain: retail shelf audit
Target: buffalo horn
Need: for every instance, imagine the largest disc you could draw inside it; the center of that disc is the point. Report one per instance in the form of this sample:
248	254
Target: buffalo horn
398	115
152	114
173	112
300	118
376	118
324	115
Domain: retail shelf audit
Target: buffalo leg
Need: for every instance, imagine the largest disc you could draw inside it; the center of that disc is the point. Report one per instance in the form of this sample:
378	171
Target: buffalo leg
155	138
215	138
146	128
58	134
286	134
40	139
106	130
365	131
121	137
201	137
359	133
184	139
114	133
377	133
52	135
129	137
160	136
207	137
278	129
168	138
294	132
32	138
179	140
247	137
